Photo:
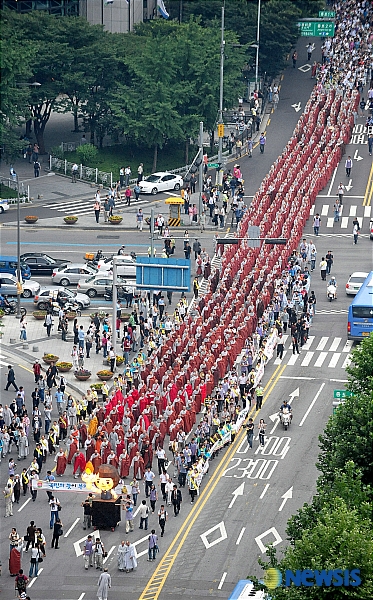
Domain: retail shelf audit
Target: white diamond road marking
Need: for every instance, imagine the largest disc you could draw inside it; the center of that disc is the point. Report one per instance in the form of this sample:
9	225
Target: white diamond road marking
223	535
273	531
305	68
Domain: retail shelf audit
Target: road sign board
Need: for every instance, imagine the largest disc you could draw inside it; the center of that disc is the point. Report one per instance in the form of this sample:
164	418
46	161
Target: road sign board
171	274
326	14
213	165
316	28
342	394
221	130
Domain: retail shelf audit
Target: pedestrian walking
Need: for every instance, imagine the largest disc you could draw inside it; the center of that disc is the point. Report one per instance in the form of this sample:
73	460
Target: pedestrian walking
316	224
11	379
348	166
259	392
329	261
129	517
294	58
57	532
37	168
126	557
48	323
355	230
55	507
127	195
310	48
74	173
23	329
106	209
262	430
340	193
88	553
323	266
104	584
34	561
97	209
337	208
140	172
250	432
99	551
370	143
162	518
144	515
294	339
127	175
8	495
262	142
153	497
195	288
280	347
137	191
153	545
176	499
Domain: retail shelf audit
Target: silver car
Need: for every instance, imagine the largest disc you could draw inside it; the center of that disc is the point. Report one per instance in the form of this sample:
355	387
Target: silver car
42	298
9	286
71	273
95	285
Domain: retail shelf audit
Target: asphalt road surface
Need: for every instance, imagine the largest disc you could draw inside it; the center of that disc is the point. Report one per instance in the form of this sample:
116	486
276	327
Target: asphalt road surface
248	495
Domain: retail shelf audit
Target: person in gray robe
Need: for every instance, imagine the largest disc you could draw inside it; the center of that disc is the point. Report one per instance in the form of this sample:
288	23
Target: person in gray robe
126	557
104	584
23	447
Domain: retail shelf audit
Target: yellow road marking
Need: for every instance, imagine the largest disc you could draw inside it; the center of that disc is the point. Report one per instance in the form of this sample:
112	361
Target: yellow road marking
26	368
268	122
369	189
158	579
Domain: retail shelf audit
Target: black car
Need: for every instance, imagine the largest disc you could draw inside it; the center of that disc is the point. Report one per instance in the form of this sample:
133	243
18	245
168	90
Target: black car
42	264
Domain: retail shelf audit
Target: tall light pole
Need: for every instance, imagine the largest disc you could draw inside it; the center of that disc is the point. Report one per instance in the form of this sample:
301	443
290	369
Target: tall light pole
200	174
222	48
257	46
19	279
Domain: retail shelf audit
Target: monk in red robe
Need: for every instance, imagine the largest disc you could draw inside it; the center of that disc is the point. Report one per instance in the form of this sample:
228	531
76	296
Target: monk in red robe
61	462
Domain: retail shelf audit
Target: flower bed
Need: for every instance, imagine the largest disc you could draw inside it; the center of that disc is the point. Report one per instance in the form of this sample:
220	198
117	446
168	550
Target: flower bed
115	220
70	220
104	375
50	358
82	374
64	367
39	315
31	218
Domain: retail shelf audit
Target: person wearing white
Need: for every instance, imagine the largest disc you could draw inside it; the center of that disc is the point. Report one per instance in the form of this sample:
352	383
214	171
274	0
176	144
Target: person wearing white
126	557
104	584
169	489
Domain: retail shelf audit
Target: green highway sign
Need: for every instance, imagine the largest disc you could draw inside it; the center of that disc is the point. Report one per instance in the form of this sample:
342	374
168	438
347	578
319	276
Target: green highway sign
316	28
213	165
326	14
342	394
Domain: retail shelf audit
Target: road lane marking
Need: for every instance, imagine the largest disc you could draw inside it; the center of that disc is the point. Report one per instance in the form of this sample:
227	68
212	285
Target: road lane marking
324	210
322	343
307	359
81	596
25	368
31	583
108	554
223	535
330	222
156	583
347	347
264	491
24	504
308	343
347	361
293	359
344	223
222	580
320	360
369	189
334	360
311	405
353	211
240	536
332	182
367	212
334	345
300	378
276	535
72	527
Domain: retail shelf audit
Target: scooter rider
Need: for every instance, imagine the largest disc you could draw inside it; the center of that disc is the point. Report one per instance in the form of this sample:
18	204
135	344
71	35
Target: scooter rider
286	407
333	282
4	302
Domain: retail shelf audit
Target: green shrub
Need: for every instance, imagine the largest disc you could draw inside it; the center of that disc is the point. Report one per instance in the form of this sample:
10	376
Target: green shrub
87	154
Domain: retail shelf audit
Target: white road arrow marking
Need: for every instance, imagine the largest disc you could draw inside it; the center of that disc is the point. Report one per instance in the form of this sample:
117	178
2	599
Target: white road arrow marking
275	419
223	535
276	535
357	157
293	395
78	551
349	186
297	107
237	492
286	496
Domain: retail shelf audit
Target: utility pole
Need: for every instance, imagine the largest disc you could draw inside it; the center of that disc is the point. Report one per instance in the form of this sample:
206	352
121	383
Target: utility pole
152	233
115	298
220	122
19	275
257	46
200	179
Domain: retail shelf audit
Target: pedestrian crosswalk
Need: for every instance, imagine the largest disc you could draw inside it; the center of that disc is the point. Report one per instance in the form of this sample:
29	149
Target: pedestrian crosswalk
80	207
346	215
325	351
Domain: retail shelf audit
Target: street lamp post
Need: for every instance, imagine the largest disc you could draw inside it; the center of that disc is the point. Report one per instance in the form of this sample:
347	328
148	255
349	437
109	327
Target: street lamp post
257	46
18	314
222	48
200	178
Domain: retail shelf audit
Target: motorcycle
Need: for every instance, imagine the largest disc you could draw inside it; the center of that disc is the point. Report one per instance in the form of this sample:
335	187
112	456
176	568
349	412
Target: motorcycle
331	292
121	293
285	419
92	260
67	307
11	309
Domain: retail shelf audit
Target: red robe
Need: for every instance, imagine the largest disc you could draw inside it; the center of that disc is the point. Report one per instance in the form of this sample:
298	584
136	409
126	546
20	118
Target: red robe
73	450
96	462
138	467
79	463
124	465
61	465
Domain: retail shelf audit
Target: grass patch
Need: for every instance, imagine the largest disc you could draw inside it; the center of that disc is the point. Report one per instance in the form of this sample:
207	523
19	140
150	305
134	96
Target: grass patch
7	192
112	158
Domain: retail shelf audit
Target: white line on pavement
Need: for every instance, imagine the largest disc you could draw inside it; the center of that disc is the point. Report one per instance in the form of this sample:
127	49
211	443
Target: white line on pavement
109	553
330	222
307	359
339	380
332	182
324	210
31	583
353	211
335	344
311	405
81	596
304	378
72	527
334	360
222	580
240	536
347	361
367	211
24	504
321	358
264	491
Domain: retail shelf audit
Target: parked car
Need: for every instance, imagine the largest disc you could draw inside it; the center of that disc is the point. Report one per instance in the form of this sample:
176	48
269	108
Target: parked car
95	285
126	268
71	273
41	299
160	182
9	264
41	264
354	283
3	205
8	286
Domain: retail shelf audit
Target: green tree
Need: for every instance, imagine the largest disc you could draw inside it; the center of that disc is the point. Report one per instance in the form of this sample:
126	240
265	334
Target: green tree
360	371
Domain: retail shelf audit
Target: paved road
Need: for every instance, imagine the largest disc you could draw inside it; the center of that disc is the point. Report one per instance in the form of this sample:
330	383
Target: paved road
196	567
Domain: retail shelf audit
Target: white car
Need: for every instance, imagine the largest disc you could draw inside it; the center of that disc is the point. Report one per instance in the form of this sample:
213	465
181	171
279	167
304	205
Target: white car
8	286
3	205
161	182
354	283
126	268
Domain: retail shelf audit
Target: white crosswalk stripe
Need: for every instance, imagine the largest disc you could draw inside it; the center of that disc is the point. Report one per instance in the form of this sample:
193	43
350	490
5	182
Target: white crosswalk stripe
328	351
85	207
346	215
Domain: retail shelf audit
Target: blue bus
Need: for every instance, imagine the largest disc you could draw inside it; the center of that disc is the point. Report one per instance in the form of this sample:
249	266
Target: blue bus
360	313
